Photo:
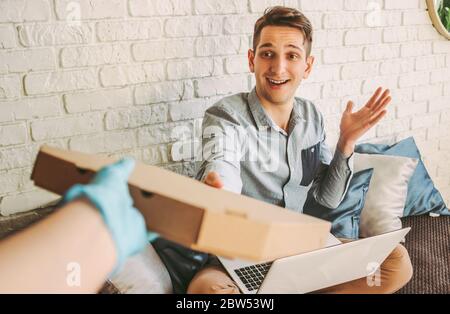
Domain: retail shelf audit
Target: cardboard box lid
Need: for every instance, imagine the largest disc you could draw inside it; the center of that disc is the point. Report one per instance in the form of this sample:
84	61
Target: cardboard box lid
191	213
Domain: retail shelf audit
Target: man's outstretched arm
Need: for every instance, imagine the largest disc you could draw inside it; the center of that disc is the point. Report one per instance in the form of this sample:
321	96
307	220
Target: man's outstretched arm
221	150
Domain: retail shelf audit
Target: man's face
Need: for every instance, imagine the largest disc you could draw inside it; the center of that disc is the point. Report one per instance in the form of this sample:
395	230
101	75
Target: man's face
279	64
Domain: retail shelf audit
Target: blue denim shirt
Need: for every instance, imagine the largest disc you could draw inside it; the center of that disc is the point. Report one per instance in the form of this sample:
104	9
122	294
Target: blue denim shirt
255	157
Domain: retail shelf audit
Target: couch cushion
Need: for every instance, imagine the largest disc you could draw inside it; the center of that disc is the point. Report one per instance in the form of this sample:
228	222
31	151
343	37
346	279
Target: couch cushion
143	273
344	218
387	193
422	197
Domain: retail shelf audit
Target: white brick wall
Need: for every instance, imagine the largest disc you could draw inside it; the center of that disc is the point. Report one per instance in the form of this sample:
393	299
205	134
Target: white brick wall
94	55
24	10
159	8
31	35
117	77
21	61
91	9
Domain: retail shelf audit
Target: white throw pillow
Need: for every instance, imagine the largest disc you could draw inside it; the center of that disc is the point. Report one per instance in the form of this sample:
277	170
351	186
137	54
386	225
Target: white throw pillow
386	197
144	273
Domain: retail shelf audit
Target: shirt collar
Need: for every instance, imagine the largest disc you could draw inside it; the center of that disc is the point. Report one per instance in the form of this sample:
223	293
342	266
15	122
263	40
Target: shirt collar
262	119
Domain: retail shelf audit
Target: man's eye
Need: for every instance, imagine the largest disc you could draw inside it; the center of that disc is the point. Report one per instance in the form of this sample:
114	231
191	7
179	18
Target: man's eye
294	57
267	54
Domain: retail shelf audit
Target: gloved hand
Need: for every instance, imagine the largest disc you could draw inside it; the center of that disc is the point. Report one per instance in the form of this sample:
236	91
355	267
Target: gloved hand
108	191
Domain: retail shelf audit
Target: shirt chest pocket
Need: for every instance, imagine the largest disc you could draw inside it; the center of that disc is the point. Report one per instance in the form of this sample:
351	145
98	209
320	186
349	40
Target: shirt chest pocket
310	163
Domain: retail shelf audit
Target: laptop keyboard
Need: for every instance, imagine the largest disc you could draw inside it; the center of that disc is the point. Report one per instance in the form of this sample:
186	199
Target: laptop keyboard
253	276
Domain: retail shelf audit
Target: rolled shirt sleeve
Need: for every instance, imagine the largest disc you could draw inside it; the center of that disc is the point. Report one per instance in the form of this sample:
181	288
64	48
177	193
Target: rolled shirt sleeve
221	148
333	179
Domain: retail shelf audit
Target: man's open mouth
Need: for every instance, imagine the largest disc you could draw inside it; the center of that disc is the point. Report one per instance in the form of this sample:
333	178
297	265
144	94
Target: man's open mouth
277	82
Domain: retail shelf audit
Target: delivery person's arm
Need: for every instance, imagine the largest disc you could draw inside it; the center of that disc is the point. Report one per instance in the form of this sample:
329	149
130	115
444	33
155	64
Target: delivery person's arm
52	255
334	176
222	142
78	246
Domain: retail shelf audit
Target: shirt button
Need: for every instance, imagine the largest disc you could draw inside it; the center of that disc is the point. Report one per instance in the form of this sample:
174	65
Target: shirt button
286	194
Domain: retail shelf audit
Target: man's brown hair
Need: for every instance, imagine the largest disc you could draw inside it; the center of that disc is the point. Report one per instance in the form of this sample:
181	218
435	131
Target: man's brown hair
283	16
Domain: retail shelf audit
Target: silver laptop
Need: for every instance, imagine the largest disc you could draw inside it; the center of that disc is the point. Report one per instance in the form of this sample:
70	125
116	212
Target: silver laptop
335	264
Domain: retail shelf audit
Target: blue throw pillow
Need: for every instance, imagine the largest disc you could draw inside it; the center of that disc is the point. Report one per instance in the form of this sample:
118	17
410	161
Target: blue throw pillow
422	195
344	218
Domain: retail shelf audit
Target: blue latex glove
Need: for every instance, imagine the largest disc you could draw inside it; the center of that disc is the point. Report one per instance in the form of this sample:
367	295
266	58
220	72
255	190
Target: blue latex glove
108	191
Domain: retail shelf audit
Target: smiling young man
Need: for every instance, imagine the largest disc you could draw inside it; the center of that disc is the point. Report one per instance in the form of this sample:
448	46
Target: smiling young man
270	145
